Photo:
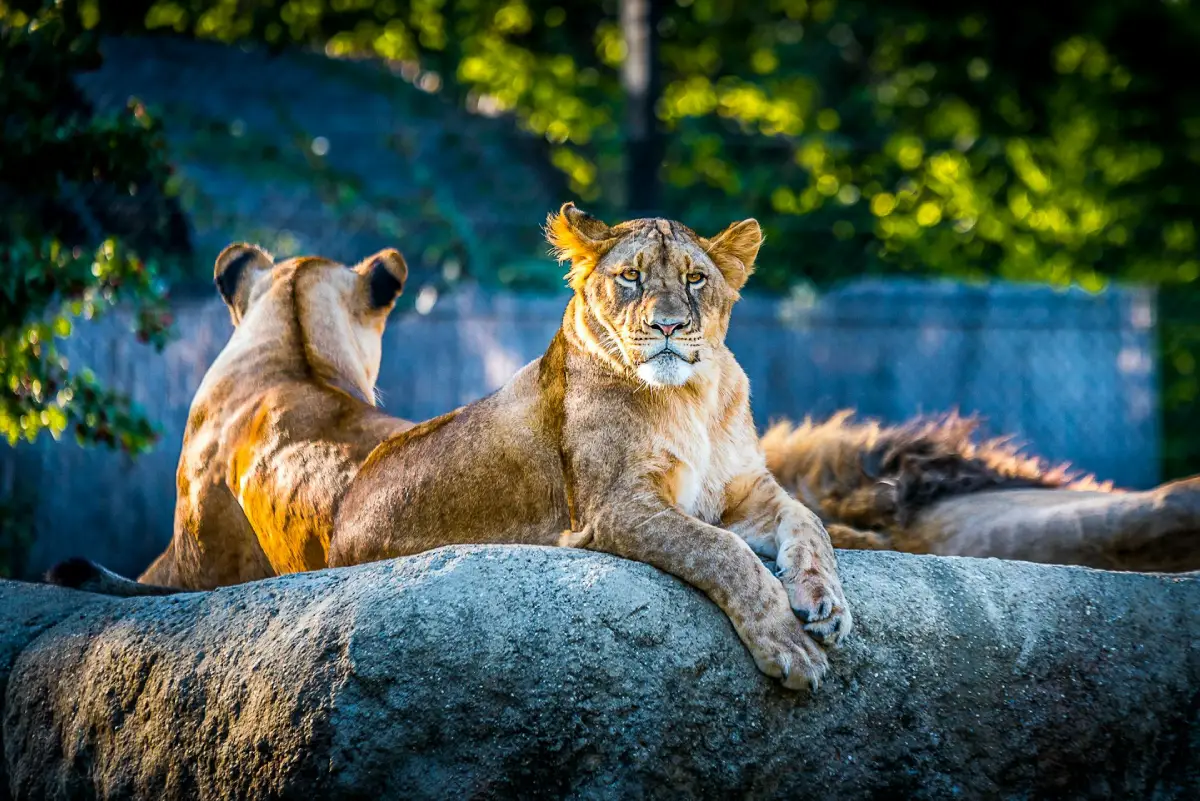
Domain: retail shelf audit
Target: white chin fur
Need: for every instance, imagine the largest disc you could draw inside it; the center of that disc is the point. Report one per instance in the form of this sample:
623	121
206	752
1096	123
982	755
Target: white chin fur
665	371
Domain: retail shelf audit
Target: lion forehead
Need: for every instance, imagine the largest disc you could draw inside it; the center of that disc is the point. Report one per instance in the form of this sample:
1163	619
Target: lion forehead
660	244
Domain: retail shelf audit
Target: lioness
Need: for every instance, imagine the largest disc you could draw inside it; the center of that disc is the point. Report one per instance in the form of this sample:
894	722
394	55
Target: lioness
278	426
632	435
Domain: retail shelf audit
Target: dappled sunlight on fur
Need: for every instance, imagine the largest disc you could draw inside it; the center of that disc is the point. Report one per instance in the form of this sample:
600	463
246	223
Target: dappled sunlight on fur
280	423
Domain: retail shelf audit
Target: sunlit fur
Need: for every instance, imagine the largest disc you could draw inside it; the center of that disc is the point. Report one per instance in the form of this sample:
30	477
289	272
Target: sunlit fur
931	486
281	421
592	446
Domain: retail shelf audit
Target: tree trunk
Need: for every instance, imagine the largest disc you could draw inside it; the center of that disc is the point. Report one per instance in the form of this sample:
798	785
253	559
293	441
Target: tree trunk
641	78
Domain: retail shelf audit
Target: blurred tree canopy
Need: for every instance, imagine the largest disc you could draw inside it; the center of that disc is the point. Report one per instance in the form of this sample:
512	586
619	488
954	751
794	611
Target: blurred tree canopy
76	191
1055	142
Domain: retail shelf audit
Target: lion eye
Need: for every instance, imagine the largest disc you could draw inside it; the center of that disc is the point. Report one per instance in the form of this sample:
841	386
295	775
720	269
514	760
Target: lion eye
695	279
631	275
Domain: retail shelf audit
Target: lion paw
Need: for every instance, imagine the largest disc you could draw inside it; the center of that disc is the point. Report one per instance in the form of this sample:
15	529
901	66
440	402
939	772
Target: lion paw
817	599
784	651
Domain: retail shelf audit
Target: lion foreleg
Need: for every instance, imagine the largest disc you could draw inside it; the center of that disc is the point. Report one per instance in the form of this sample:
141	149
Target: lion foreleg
765	515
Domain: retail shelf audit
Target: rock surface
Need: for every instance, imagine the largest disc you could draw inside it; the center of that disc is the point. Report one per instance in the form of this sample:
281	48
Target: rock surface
27	610
497	672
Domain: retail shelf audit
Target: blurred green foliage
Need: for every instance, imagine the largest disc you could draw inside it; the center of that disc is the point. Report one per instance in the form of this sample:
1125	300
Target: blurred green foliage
1057	142
63	171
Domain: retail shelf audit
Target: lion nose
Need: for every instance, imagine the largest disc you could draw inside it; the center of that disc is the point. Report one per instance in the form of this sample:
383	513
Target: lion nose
668	326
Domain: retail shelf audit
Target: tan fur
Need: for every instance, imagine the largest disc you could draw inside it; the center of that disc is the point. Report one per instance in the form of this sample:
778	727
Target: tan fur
280	423
929	486
610	443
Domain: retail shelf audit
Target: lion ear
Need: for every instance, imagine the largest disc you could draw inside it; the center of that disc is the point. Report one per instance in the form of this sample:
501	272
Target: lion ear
579	238
234	272
734	251
385	273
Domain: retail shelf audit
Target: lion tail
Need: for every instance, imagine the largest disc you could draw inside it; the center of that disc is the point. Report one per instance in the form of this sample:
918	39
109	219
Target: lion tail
86	575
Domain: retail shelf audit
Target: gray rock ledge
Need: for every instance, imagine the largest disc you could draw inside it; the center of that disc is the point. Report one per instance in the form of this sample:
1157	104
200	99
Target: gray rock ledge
502	672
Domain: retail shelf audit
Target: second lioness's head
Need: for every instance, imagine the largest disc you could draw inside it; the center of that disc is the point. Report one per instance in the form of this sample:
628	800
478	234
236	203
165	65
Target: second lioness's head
319	316
653	297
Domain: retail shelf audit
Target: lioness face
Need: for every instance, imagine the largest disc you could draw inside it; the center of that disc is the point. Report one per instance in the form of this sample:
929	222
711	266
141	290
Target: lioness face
340	310
659	294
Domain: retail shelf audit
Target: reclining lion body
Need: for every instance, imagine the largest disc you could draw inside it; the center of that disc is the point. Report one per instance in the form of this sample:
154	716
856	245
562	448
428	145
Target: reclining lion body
930	486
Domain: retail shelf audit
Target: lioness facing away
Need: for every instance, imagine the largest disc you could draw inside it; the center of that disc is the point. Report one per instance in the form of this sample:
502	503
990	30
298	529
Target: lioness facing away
632	435
280	423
